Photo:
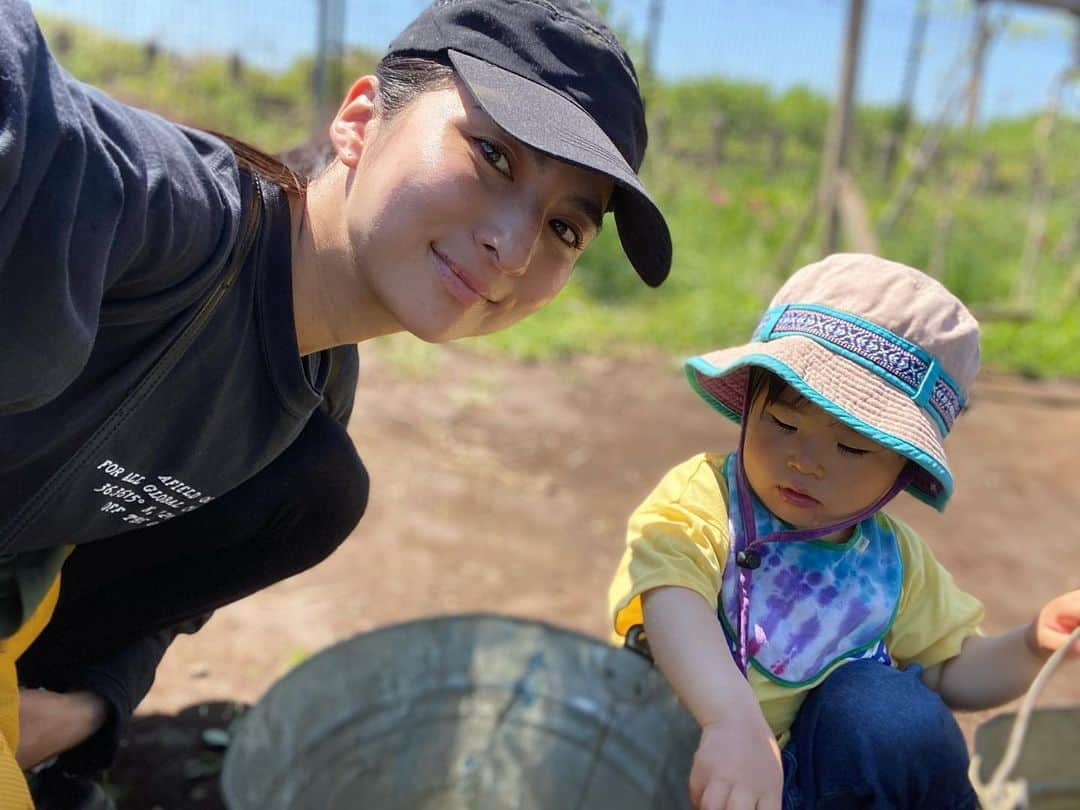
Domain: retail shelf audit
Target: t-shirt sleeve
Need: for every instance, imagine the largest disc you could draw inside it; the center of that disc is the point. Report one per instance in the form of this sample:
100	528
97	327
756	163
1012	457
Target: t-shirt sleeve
678	536
99	202
935	616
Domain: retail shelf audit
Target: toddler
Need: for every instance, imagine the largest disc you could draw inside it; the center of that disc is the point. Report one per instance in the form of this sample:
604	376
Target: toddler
813	636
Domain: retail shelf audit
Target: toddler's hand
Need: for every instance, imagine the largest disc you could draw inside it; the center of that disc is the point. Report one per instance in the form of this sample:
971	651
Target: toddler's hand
1052	626
737	767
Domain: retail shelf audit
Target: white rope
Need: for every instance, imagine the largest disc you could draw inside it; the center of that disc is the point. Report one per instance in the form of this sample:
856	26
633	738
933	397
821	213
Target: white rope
999	794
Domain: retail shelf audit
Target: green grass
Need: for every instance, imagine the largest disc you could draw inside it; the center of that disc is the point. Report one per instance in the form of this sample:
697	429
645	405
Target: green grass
728	231
728	219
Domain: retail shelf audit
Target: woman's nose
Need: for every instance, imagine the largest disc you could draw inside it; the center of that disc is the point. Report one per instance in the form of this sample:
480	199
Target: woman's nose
510	239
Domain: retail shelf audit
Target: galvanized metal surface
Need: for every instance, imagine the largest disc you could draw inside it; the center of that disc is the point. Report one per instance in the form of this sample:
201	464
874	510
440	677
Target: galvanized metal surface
1049	760
471	712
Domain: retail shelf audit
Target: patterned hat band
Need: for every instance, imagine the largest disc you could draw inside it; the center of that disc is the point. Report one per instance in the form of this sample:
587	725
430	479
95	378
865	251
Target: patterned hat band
897	361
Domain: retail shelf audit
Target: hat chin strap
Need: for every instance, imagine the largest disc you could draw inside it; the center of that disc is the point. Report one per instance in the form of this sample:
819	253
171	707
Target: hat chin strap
747	542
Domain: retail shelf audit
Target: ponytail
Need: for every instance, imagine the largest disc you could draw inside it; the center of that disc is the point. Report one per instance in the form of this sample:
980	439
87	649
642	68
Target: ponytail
265	165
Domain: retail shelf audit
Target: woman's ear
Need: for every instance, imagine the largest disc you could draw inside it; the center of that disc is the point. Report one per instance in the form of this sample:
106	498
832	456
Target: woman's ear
350	129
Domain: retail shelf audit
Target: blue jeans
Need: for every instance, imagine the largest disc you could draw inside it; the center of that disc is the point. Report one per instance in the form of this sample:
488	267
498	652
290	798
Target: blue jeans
872	736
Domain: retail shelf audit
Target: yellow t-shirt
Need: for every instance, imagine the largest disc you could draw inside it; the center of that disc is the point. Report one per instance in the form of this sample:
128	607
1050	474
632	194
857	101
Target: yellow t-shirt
679	537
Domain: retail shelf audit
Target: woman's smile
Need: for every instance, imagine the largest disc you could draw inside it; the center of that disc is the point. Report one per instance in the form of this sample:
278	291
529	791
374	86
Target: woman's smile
459	282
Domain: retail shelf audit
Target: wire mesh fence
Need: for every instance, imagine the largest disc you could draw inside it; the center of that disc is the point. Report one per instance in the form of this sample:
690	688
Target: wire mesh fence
271	71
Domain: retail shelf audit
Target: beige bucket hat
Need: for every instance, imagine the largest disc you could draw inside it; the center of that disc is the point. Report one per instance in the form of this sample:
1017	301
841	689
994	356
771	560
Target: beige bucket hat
879	345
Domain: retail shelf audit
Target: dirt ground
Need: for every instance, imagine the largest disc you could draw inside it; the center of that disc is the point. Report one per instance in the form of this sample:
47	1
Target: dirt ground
502	486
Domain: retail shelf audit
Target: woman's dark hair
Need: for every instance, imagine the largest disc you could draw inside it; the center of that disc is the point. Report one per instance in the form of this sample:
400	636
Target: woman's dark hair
265	165
401	79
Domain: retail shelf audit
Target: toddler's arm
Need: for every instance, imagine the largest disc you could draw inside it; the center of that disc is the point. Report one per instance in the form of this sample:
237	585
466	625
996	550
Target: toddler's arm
737	763
991	670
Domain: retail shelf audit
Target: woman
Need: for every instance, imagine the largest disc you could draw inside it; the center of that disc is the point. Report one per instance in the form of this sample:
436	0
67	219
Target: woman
177	317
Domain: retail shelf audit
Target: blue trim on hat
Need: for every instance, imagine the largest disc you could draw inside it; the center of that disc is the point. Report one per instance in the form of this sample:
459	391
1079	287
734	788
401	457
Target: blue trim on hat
767	323
898	361
699	365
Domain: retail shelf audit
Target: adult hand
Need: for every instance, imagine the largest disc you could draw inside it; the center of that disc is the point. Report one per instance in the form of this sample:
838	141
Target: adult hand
1051	628
52	722
737	767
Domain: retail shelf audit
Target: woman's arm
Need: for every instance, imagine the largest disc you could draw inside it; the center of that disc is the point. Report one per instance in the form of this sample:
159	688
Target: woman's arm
52	722
737	763
991	670
96	198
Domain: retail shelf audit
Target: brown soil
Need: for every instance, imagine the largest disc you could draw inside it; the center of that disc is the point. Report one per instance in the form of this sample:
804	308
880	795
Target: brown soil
502	486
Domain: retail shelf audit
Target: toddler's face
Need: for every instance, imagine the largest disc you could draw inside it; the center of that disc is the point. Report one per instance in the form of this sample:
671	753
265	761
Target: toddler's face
810	469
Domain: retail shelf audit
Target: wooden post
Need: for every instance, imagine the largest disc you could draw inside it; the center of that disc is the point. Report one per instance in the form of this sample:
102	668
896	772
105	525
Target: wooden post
855	215
236	67
940	246
907	89
978	62
776	149
1027	280
896	206
329	52
719	131
660	130
833	162
987	177
1072	288
836	146
64	41
652	36
1071	238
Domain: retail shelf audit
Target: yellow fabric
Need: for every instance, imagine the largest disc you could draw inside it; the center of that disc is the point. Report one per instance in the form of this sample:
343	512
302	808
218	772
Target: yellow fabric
14	793
679	537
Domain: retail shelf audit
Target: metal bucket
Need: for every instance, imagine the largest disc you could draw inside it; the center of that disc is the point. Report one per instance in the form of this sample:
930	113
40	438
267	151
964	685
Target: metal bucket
470	712
1050	758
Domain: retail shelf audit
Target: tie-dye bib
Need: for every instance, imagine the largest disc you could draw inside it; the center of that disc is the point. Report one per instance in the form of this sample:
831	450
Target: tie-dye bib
812	603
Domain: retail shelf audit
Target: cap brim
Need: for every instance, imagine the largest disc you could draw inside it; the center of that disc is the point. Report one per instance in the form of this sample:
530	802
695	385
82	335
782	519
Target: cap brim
842	388
541	118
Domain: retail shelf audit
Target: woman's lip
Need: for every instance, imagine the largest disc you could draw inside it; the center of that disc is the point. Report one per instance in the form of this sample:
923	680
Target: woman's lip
796	498
456	283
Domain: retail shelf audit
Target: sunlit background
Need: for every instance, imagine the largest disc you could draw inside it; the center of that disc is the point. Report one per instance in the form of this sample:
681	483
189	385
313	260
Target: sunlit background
961	157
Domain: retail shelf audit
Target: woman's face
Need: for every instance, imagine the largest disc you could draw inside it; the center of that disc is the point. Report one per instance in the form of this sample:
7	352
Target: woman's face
455	227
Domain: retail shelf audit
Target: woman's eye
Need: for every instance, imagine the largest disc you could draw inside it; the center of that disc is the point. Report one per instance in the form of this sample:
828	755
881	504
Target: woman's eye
567	233
782	425
853	451
495	156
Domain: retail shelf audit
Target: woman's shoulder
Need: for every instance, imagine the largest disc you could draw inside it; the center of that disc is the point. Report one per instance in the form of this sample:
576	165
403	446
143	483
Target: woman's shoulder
107	204
16	19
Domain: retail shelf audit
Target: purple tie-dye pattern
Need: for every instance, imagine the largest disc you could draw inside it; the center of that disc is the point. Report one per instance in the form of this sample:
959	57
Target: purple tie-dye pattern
791	589
807	631
812	603
779	611
856	614
826	595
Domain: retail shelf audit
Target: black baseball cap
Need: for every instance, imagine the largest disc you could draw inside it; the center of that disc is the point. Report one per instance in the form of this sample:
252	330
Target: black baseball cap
553	75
